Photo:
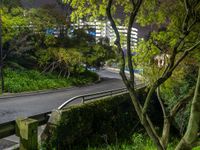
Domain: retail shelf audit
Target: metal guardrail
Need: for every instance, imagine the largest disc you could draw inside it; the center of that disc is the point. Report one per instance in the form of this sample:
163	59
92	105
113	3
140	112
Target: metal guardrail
9	128
87	97
96	95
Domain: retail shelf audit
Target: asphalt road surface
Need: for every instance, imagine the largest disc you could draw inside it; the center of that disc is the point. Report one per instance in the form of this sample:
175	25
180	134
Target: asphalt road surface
24	106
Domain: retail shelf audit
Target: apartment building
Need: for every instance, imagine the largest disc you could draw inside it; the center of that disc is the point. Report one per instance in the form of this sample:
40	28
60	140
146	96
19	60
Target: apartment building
103	29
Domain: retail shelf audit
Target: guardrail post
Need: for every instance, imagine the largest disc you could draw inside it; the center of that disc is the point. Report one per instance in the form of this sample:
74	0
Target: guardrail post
26	130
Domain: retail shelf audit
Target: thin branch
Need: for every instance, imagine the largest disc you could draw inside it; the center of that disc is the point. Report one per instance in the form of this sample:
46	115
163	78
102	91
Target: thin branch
117	42
134	12
186	19
185	32
155	44
186	52
161	102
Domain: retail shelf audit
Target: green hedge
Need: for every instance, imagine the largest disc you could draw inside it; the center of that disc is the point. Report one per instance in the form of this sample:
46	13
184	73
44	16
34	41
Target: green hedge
103	121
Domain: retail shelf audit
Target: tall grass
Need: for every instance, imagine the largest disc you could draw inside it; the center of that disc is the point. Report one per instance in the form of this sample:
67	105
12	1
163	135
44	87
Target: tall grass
137	142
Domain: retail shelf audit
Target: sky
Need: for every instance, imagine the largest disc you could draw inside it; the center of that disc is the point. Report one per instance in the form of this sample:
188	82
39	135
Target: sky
142	31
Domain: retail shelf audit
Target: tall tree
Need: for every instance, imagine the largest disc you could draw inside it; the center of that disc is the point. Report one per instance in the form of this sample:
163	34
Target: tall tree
11	4
181	19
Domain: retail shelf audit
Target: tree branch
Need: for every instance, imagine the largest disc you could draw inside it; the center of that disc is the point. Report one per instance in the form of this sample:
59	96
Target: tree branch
147	124
186	19
117	42
186	52
156	44
130	25
161	102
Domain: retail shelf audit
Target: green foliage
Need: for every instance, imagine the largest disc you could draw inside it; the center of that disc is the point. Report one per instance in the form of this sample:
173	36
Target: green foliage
11	22
139	141
176	30
151	12
84	78
50	41
32	80
11	4
96	56
26	42
172	92
91	9
59	58
101	121
44	18
94	9
196	148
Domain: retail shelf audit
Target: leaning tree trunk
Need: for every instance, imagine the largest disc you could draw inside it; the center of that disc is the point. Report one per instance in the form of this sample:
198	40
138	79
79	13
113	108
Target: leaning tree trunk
191	134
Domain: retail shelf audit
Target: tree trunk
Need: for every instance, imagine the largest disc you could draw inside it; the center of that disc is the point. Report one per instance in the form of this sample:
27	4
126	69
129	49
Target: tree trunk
147	124
47	68
193	127
60	73
166	132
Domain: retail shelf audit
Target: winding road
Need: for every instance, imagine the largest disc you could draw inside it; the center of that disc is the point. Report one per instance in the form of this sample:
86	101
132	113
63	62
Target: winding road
25	105
33	104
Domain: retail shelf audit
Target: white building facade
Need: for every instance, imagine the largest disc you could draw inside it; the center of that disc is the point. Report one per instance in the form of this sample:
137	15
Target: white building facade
101	29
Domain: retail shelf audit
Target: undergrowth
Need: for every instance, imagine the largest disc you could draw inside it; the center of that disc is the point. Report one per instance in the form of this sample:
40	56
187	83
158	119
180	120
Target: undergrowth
17	80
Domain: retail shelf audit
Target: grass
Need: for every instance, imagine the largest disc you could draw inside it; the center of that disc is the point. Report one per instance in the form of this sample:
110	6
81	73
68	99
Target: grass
138	142
196	148
32	80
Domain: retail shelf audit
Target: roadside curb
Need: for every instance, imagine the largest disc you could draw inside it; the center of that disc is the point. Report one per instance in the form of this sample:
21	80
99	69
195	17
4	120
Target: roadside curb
23	94
35	92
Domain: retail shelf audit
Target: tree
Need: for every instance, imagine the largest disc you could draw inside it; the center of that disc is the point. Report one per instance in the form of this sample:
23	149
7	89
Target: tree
61	60
181	19
11	4
94	54
24	32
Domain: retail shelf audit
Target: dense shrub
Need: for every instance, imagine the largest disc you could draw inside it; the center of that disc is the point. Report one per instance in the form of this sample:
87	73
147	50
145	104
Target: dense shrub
97	122
104	121
84	78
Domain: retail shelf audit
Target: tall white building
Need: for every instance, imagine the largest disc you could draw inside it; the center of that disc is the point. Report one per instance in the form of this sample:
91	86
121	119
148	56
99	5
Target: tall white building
101	29
123	32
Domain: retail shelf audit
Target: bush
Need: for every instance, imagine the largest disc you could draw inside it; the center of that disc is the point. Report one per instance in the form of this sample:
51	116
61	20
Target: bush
104	121
98	122
84	77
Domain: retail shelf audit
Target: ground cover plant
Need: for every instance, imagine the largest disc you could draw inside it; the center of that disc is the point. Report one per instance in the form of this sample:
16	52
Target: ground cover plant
17	80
